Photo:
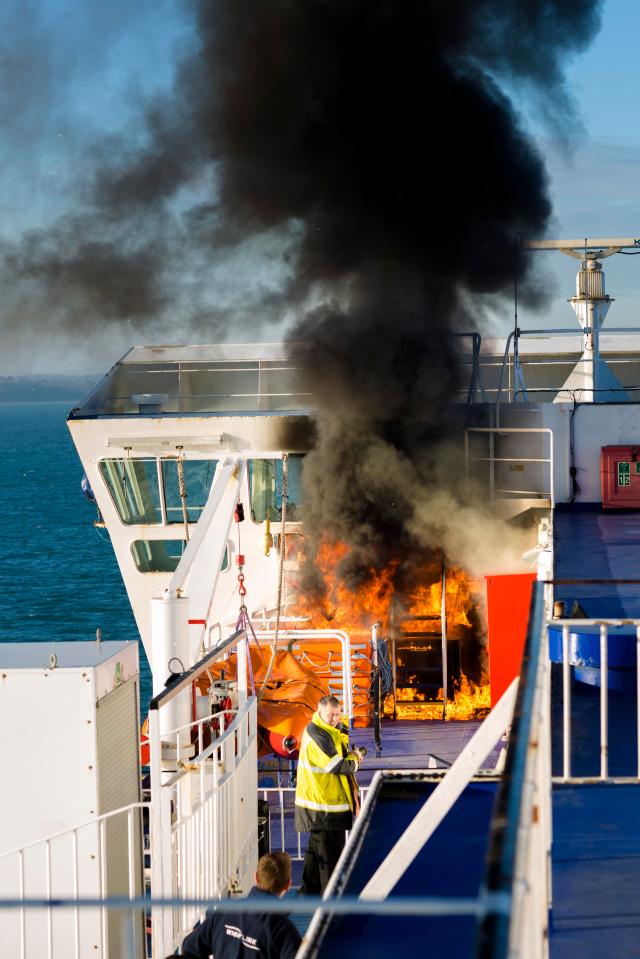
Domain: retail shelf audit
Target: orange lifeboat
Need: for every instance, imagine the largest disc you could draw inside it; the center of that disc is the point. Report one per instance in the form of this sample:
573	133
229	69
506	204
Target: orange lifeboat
286	704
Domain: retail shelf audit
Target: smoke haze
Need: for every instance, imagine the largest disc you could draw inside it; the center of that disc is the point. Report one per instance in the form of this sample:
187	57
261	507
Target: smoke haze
367	150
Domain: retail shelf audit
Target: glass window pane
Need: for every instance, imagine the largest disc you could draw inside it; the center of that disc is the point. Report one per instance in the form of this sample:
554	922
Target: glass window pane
133	484
163	555
198	476
265	481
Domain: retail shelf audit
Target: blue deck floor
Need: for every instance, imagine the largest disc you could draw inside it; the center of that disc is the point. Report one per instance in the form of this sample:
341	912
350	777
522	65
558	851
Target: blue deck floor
410	744
596	827
592	544
596	871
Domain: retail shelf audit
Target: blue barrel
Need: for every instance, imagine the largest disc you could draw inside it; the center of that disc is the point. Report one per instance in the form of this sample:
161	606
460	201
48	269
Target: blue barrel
584	655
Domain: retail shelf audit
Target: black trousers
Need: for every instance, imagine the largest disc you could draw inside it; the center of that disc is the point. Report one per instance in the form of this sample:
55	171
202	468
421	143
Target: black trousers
323	852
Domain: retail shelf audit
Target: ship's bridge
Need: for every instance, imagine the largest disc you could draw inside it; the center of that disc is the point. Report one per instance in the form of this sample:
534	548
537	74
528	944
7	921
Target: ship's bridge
152	436
223	378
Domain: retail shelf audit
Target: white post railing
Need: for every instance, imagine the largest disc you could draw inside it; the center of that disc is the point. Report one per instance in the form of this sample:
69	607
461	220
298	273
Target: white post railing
102	856
531	882
492	459
603	626
204	804
285	636
519	854
281	818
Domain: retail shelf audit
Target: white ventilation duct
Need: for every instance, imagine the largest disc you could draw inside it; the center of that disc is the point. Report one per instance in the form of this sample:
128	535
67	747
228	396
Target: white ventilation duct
591	379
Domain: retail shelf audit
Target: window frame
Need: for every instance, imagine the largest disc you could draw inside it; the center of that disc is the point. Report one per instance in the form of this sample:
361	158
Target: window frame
164	522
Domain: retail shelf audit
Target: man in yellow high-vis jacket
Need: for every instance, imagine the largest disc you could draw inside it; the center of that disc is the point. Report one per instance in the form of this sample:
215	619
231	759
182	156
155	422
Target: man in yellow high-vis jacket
325	798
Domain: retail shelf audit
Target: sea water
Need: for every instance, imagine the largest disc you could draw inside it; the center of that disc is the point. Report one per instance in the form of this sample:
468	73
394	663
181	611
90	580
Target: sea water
59	579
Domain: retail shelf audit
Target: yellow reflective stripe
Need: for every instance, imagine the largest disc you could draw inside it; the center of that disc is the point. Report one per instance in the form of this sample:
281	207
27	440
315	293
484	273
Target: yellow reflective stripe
323	807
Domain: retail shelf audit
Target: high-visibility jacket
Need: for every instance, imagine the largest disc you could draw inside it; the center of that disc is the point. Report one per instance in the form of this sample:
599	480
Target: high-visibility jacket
324	795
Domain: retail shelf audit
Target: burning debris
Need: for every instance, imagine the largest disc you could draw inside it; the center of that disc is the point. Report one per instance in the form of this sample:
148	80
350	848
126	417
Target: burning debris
412	625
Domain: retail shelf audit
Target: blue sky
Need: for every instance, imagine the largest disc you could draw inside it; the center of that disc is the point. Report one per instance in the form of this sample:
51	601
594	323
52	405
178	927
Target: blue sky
596	182
73	70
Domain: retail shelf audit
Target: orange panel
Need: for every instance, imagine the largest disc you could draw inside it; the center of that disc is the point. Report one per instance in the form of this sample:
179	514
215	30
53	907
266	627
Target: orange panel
508	602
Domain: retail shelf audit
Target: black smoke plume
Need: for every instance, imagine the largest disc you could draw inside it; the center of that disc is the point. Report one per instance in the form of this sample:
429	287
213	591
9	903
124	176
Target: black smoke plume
374	146
384	131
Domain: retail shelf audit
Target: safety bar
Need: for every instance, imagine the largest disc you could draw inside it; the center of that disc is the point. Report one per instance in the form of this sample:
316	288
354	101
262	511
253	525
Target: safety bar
520	840
277	797
491	431
516	334
200	667
62	862
569	625
180	818
285	636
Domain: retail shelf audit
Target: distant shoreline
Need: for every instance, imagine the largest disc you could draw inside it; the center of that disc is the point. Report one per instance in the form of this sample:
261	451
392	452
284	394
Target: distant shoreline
46	388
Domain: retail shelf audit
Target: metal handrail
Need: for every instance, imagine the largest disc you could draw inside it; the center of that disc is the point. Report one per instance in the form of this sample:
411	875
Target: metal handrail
505	836
319	635
507	430
281	808
302	905
238	745
603	624
187	677
72	829
516	335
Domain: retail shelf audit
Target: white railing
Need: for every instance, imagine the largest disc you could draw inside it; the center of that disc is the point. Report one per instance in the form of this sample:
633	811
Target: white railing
513	361
571	625
102	857
543	490
203	806
287	636
519	859
531	886
281	801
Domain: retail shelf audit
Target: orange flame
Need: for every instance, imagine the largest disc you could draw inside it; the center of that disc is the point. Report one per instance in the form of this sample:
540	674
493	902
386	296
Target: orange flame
340	607
470	702
356	612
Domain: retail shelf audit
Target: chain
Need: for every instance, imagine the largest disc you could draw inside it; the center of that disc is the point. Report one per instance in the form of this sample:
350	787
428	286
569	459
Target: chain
283	547
183	496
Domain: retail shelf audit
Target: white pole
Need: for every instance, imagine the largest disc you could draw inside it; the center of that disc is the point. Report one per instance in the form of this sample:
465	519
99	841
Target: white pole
566	705
170	641
241	651
604	703
443	797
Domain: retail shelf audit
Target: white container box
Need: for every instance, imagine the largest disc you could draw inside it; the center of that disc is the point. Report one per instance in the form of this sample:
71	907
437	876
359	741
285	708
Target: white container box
69	748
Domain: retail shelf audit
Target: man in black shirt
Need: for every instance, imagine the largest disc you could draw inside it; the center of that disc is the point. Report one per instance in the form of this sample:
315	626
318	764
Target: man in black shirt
250	935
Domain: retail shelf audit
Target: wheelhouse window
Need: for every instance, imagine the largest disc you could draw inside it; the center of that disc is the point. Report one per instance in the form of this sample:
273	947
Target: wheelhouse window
265	483
198	477
133	484
146	491
163	555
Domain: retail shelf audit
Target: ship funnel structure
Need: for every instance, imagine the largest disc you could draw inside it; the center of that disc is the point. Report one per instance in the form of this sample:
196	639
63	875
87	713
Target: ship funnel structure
591	380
